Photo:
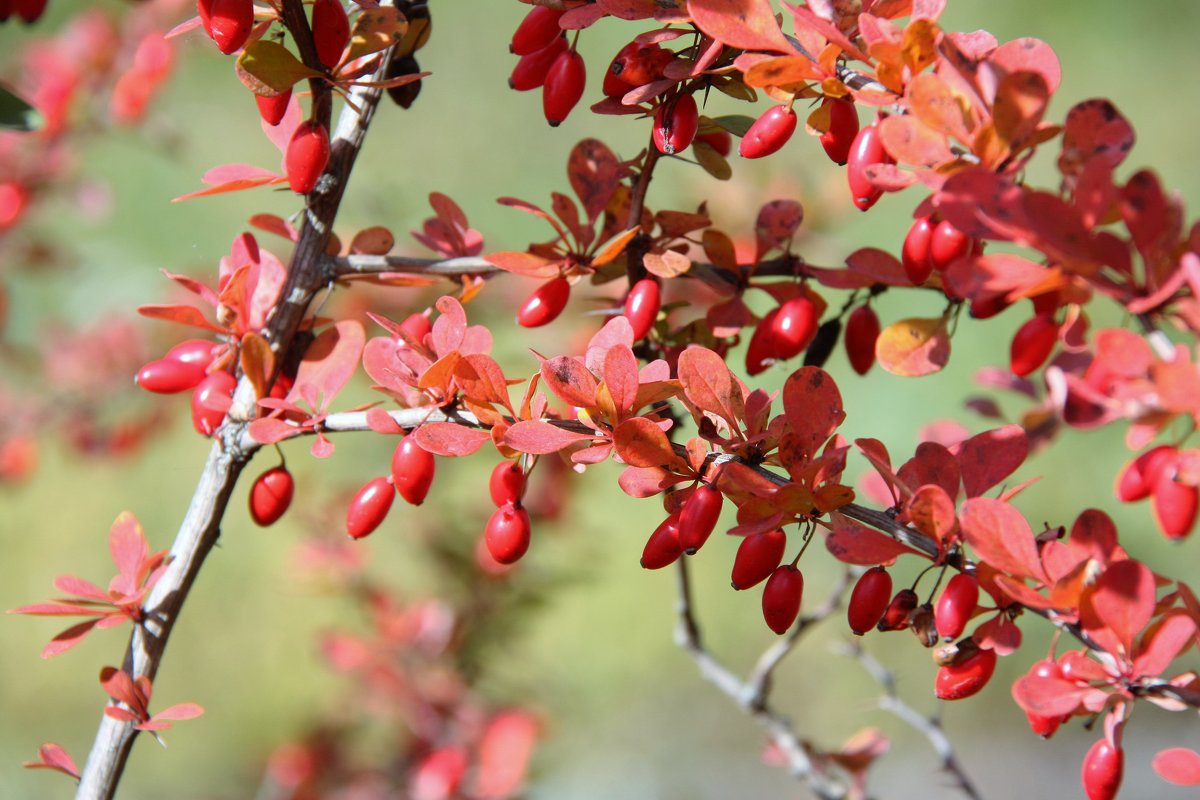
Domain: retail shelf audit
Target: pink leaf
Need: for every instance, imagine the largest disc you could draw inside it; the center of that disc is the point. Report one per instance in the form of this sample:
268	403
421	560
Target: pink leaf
647	481
179	712
1163	643
1178	765
541	438
570	381
380	421
1001	537
269	430
616	332
68	638
621	378
1122	600
744	24
450	328
81	588
329	362
54	757
179	314
450	439
127	543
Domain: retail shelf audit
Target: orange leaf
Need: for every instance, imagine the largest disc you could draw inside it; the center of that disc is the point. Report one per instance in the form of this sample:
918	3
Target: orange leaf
914	347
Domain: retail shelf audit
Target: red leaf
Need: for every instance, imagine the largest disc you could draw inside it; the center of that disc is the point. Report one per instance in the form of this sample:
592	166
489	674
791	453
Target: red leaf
269	430
744	24
450	439
1122	600
127	544
540	438
54	757
1169	637
570	381
621	378
1094	130
180	314
813	407
616	332
931	511
878	265
380	421
932	464
910	141
60	610
68	638
482	380
81	588
990	457
1029	55
855	544
642	482
1001	537
329	362
526	264
804	17
178	712
1048	696
594	172
1000	634
450	328
1178	765
641	443
709	385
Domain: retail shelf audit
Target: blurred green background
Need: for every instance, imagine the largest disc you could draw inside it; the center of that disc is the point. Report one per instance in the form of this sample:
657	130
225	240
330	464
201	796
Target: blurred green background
629	715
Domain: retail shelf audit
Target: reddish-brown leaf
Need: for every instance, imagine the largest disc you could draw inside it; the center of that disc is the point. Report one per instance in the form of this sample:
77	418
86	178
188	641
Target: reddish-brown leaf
570	381
813	406
990	457
450	439
709	385
1001	537
642	443
540	438
594	172
855	544
744	24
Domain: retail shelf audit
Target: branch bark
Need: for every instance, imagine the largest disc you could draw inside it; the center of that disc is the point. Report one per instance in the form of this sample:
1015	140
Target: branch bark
201	526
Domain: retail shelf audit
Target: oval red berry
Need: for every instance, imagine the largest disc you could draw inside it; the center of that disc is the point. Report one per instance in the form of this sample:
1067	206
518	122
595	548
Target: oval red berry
869	599
563	87
537	30
782	597
531	71
271	495
1032	344
507	483
757	557
330	30
967	677
210	401
1102	771
412	470
956	605
642	305
507	533
699	517
663	548
168	376
769	133
843	128
369	508
793	327
545	304
862	332
866	151
307	156
675	125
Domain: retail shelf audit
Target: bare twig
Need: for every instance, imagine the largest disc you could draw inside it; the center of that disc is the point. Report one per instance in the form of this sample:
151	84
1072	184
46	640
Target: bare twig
929	727
778	728
201	525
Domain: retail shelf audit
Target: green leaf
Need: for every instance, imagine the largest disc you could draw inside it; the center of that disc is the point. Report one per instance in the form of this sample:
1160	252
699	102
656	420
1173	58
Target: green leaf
737	124
16	114
268	68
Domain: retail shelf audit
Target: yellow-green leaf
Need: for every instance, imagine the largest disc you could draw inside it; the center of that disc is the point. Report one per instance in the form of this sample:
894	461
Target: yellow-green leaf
269	68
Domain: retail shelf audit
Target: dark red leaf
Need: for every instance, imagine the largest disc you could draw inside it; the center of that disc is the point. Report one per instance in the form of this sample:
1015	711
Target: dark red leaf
450	439
813	406
855	544
1122	600
990	457
1001	537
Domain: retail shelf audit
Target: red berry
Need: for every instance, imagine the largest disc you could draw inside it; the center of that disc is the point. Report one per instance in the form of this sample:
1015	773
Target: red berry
30	10
675	125
546	303
227	22
536	31
272	109
563	87
757	557
761	350
1044	726
843	127
866	151
769	133
1032	344
1140	474
1103	768
331	31
641	64
956	605
794	327
369	507
862	331
614	85
699	517
307	156
210	401
895	618
507	533
781	598
869	599
167	376
198	352
966	677
947	245
720	141
915	252
642	305
412	470
663	548
1174	504
507	483
271	495
531	71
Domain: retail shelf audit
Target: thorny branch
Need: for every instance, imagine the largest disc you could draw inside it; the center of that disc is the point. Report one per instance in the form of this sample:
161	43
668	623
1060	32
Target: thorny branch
800	764
929	727
231	451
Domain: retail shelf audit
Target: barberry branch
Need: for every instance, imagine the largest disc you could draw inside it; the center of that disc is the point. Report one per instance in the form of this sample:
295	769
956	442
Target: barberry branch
231	451
746	696
929	727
